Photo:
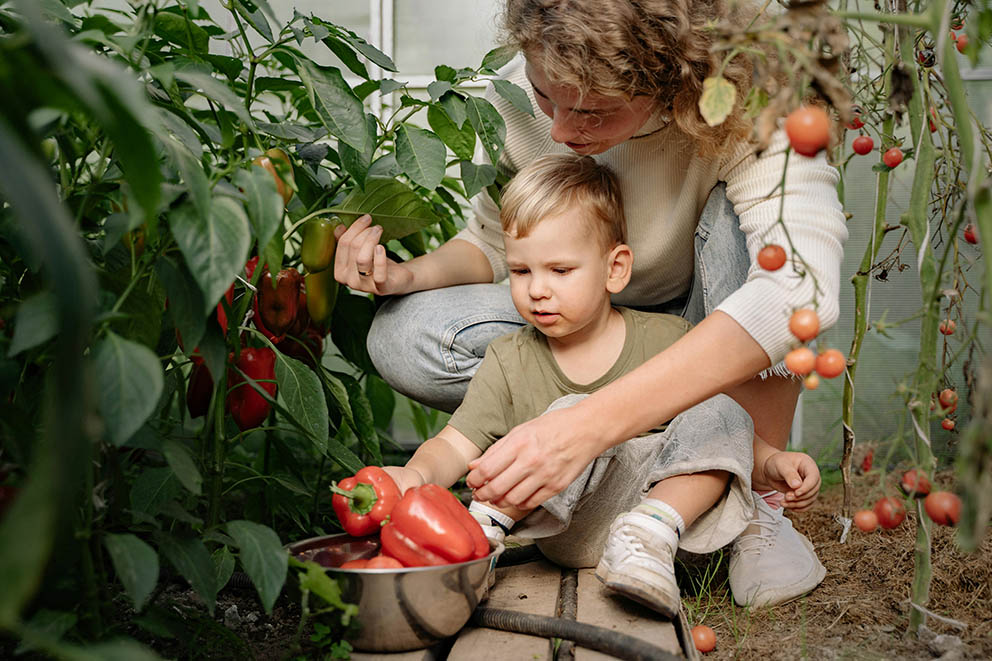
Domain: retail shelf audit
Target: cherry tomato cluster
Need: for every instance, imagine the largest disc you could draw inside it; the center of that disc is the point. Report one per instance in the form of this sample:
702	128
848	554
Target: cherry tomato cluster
943	507
864	144
805	326
948	399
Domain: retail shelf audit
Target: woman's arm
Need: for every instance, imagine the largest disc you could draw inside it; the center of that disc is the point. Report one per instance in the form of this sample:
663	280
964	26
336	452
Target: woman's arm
540	458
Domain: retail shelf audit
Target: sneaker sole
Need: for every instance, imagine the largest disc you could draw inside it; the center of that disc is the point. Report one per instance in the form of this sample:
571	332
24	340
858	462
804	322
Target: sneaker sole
623	585
777	597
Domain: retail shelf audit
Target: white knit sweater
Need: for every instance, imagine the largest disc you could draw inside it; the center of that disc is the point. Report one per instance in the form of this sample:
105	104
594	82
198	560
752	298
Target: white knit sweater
665	184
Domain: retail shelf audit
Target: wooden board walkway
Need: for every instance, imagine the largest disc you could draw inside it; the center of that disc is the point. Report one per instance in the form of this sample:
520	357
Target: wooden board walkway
541	588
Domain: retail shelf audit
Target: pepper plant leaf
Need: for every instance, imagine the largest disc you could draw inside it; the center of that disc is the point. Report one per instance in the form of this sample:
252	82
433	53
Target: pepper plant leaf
136	565
300	394
391	203
340	111
488	123
262	201
461	141
421	154
263	558
130	382
192	560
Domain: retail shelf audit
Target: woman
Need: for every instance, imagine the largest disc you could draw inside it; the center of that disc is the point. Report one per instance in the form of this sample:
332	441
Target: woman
620	80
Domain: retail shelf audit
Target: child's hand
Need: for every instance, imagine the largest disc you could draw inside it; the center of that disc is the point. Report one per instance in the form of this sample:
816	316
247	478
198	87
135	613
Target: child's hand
796	475
405	478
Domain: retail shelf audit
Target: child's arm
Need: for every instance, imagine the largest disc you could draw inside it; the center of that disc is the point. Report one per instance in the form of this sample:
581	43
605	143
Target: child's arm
440	460
795	474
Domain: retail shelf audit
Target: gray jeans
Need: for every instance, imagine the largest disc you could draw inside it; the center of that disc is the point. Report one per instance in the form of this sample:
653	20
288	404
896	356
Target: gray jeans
427	345
571	527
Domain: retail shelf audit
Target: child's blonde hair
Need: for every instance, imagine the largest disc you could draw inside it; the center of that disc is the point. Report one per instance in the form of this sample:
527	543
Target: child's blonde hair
555	183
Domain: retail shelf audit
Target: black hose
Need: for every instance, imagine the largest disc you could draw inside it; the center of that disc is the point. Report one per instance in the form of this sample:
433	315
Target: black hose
614	643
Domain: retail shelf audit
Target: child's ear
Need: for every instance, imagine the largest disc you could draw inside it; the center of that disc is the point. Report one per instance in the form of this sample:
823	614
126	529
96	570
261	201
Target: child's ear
621	262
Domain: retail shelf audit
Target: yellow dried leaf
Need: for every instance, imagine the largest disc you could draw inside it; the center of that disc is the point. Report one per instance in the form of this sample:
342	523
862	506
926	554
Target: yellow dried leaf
717	100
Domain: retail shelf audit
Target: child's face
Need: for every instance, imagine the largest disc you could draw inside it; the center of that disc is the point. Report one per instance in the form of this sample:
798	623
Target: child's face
559	274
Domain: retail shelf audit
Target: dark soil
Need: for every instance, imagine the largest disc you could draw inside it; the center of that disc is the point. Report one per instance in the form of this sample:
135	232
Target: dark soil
861	610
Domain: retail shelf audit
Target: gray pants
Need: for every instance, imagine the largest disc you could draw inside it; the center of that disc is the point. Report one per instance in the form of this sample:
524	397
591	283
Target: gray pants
571	528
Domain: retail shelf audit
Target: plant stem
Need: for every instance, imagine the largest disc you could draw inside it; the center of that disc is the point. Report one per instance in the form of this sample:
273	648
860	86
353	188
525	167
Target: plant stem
215	456
922	21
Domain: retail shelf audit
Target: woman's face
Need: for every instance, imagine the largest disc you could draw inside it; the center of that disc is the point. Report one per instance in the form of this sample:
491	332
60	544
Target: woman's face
588	125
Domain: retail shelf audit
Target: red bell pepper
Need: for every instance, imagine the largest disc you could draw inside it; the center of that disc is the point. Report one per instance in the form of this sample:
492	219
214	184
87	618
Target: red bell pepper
229	295
277	305
248	408
363	501
199	389
430	527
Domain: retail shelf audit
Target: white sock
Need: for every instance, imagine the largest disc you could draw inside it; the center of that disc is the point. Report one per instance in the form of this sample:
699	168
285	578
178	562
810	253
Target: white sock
499	519
659	509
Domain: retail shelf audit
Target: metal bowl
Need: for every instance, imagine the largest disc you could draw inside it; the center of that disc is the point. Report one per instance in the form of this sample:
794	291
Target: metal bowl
401	609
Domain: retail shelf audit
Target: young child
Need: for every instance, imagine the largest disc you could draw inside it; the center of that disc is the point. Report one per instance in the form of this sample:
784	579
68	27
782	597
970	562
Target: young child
687	484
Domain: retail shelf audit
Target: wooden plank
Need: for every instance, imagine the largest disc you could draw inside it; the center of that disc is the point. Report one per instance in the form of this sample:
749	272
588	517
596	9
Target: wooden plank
528	588
601	607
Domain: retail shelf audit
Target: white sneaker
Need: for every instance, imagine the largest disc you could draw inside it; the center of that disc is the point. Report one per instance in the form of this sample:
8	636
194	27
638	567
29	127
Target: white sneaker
638	562
774	564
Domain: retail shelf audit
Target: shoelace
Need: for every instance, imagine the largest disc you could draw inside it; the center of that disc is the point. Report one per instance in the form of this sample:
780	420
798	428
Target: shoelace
767	524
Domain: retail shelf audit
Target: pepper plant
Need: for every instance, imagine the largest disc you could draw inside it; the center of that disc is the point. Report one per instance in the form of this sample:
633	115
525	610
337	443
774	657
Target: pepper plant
167	406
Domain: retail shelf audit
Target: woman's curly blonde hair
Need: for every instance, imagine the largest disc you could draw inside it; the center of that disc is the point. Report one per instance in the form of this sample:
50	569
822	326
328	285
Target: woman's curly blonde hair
627	48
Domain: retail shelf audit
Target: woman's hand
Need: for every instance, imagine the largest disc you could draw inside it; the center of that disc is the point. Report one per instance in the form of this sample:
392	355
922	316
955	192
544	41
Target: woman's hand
360	262
532	463
795	474
405	478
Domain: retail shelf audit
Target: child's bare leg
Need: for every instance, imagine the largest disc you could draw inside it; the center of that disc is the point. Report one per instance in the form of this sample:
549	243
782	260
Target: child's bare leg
691	495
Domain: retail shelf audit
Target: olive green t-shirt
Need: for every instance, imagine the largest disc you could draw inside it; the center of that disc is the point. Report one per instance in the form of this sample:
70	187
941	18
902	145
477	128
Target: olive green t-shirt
519	377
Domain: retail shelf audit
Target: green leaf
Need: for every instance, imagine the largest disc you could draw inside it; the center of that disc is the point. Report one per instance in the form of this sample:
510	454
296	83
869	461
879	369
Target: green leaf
382	399
37	322
365	48
262	201
476	177
47	624
263	557
456	108
445	73
191	169
185	300
340	111
140	313
488	123
460	140
421	154
224	564
392	204
364	421
498	57
514	94
183	465
180	31
191	559
215	246
152	489
129	382
336	450
217	91
136	564
316	581
717	100
254	17
346	54
273	253
300	393
756	101
438	88
357	163
229	66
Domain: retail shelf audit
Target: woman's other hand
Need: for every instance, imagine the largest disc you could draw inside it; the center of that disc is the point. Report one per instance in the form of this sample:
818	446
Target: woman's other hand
360	261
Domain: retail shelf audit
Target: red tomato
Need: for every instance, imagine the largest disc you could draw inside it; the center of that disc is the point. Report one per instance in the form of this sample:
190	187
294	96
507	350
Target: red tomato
890	512
962	43
855	122
943	508
804	324
915	483
947	327
771	257
970	235
892	157
948	398
863	144
812	382
947	424
800	361
384	562
866	520
360	563
704	638
867	461
933	119
830	363
808	128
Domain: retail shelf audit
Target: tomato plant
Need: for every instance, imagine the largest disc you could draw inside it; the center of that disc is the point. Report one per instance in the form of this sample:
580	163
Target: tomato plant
771	257
890	512
862	144
943	508
808	129
804	324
